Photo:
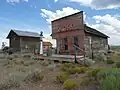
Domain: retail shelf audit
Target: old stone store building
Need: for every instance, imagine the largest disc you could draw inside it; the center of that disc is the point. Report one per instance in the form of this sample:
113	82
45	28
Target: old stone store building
71	30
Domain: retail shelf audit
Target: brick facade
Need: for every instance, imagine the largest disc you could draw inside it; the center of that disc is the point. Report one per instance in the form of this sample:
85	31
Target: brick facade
73	26
69	28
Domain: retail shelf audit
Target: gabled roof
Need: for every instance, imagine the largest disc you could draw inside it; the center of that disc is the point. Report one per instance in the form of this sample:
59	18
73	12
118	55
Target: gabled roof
94	31
24	33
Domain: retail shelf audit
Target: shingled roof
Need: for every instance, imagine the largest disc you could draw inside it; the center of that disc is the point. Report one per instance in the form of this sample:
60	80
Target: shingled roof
24	33
94	31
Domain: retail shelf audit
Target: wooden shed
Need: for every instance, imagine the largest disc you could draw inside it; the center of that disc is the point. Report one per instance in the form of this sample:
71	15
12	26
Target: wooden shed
24	41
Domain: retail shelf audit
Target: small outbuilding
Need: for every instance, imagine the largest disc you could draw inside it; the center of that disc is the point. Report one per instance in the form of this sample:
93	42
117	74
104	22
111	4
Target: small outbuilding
24	41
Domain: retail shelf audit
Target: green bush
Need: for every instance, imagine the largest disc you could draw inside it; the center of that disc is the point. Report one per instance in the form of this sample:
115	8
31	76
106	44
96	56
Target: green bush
109	79
34	77
107	72
77	70
110	83
61	77
93	73
66	66
110	61
117	64
85	81
74	70
70	84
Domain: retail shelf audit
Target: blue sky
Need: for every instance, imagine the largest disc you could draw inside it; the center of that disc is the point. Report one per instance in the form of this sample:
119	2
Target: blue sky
35	15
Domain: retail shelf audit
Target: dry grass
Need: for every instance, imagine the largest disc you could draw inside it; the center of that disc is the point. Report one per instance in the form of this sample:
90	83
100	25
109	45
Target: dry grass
23	69
115	56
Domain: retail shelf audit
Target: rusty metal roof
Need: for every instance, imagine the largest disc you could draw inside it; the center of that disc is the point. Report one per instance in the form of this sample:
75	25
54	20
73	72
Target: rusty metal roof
26	33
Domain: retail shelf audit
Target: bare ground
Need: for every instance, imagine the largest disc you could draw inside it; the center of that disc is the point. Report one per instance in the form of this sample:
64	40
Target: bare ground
17	68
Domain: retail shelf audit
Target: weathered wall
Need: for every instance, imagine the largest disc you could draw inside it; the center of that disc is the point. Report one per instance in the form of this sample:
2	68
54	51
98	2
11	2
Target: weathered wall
70	37
14	43
72	22
29	44
98	44
68	27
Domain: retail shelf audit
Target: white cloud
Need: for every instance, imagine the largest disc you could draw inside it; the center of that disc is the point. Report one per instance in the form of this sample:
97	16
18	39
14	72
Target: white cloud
16	1
99	4
32	6
50	15
109	25
83	2
108	19
56	0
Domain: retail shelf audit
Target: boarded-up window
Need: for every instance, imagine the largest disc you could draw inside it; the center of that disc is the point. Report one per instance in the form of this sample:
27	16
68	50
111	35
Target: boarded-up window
76	43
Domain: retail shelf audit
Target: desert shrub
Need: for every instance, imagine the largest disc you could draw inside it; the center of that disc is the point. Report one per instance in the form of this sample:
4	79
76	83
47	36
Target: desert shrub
74	70
35	76
110	61
107	72
66	66
99	58
44	63
9	58
18	61
77	70
109	79
70	84
87	81
117	64
7	63
29	62
51	66
27	56
61	77
110	83
9	83
21	69
93	73
83	69
15	56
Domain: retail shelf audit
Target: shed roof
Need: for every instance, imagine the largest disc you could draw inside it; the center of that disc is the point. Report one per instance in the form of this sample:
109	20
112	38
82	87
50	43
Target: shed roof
94	31
25	33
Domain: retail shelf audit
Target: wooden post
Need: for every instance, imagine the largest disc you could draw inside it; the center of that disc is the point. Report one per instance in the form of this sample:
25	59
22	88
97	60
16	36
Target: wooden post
92	52
75	54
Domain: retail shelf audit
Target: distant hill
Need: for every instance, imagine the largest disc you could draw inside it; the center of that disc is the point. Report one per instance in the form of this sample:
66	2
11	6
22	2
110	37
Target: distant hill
115	48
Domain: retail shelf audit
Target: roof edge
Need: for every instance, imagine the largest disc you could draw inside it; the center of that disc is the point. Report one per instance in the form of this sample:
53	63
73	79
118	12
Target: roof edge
11	30
96	30
67	16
